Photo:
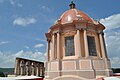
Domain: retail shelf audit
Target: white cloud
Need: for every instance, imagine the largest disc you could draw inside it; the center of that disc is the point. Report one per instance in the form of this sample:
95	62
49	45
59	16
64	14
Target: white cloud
27	47
20	5
39	39
46	8
12	2
112	36
15	3
3	42
39	45
24	21
115	61
8	59
111	22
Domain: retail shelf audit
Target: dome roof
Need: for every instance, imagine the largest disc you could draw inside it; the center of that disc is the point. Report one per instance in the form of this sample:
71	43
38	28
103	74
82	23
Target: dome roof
73	14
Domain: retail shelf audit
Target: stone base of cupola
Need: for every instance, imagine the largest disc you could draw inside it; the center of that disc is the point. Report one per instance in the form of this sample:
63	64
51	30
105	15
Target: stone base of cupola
88	74
77	75
85	68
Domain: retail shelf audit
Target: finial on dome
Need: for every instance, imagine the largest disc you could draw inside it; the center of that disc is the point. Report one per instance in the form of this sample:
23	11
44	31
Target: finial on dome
72	5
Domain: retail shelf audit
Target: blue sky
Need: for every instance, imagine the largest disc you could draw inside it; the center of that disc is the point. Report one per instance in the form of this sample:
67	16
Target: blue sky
23	24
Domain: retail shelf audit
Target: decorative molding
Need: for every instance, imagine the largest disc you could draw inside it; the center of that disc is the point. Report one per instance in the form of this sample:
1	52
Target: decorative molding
91	32
70	32
57	31
84	28
80	26
79	17
70	62
48	36
100	32
92	27
54	66
83	62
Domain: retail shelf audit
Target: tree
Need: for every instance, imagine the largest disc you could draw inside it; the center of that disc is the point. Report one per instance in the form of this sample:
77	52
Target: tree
2	74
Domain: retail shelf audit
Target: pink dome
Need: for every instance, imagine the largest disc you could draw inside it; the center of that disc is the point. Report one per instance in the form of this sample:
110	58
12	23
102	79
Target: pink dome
74	14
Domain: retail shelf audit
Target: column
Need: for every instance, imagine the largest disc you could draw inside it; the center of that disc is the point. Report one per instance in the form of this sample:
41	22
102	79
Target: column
53	46
85	43
58	45
104	54
48	51
37	70
102	46
41	70
78	44
22	68
18	72
32	69
17	67
27	68
98	46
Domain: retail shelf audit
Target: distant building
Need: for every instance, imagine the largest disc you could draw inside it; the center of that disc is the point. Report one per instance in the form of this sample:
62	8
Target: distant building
76	47
26	67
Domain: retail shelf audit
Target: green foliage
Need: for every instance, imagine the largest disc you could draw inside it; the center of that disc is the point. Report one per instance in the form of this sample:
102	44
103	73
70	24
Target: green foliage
2	74
116	70
7	71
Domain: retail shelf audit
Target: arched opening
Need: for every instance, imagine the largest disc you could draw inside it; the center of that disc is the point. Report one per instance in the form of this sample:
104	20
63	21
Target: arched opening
22	66
28	70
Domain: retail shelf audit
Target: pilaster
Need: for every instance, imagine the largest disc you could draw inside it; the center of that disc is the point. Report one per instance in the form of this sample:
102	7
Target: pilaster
53	46
48	51
78	44
102	45
58	45
85	42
